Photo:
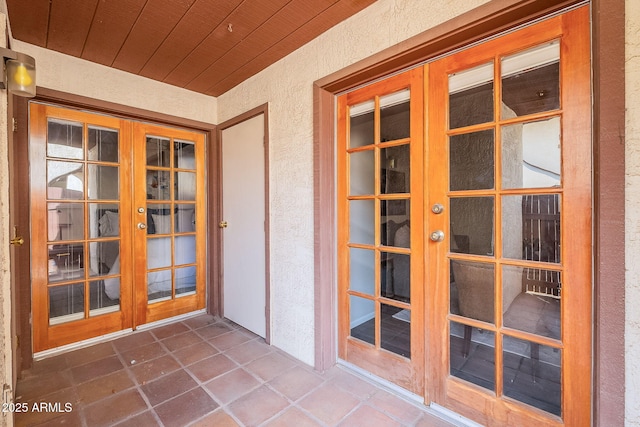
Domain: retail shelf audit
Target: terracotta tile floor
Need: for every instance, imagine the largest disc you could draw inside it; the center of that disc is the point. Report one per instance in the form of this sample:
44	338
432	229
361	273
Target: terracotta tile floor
203	371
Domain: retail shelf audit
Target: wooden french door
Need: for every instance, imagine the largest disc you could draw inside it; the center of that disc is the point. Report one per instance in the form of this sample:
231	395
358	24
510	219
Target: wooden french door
117	220
500	254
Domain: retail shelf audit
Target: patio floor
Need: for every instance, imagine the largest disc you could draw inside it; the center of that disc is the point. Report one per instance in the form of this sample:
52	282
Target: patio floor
203	371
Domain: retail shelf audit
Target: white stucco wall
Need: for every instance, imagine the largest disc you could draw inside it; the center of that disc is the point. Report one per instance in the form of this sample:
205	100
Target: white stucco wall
632	208
287	86
68	74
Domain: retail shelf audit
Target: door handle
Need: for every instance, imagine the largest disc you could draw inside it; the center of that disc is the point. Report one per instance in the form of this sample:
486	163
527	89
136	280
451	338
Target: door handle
223	224
17	240
437	236
142	225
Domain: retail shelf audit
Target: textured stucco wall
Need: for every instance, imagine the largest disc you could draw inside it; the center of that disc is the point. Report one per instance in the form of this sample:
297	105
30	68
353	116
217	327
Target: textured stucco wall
632	208
68	74
287	86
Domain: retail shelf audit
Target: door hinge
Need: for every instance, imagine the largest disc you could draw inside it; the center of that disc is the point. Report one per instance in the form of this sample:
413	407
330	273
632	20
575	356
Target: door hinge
14	124
7	396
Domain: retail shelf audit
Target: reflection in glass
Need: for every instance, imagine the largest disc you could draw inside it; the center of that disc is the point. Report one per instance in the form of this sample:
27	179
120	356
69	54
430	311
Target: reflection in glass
399	209
361	125
185	218
395	171
66	221
158	151
472	225
185	157
531	154
185	186
185	281
65	180
104	220
362	319
361	221
158	285
158	185
531	80
531	227
531	300
99	301
396	276
64	139
158	252
66	303
185	250
395	120
103	257
102	145
395	330
158	218
532	374
362	175
397	234
471	161
362	270
103	182
66	262
472	354
473	290
471	97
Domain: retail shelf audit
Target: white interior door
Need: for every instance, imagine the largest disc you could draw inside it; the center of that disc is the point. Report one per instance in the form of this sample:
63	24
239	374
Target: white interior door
243	206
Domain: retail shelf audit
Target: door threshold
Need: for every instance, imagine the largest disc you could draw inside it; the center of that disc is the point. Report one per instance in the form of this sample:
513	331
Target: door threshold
80	344
170	320
433	409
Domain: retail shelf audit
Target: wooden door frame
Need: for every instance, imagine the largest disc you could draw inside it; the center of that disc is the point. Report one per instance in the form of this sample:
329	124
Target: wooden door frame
20	179
607	17
217	290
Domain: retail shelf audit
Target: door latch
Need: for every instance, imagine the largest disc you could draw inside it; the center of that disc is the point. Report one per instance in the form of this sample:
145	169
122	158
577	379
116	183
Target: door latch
17	240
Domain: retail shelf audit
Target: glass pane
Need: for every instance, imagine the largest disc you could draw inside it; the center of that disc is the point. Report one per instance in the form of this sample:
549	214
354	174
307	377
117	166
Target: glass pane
185	281
395	120
396	276
472	225
362	319
395	330
158	151
185	155
471	161
397	234
473	290
104	220
362	175
66	303
66	221
532	374
531	81
158	218
99	301
159	285
185	218
362	271
159	185
471	97
185	186
398	210
531	227
102	145
361	125
103	257
396	170
65	180
531	154
64	139
185	250
158	252
531	300
472	355
66	262
361	221
103	182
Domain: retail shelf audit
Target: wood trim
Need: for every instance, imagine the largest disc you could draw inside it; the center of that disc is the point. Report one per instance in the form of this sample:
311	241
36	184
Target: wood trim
218	289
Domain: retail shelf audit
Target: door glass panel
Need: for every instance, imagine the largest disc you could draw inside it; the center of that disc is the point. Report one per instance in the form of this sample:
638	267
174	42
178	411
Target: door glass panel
64	139
158	185
472	224
66	262
158	218
185	250
104	220
361	167
185	281
65	221
472	354
531	80
397	210
394	116
158	285
65	180
103	182
361	125
473	290
158	252
397	234
361	221
471	161
471	97
395	171
396	271
102	145
531	154
395	330
532	373
66	303
102	257
185	218
185	157
158	151
362	271
99	301
531	227
185	185
362	313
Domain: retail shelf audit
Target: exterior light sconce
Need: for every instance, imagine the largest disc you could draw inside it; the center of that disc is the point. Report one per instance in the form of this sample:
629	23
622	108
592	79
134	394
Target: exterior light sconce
19	73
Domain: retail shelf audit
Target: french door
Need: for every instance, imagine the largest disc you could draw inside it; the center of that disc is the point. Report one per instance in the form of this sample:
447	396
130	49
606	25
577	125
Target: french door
117	224
499	251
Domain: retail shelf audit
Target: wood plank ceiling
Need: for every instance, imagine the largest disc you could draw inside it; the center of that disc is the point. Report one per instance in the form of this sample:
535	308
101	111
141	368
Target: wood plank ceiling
208	46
